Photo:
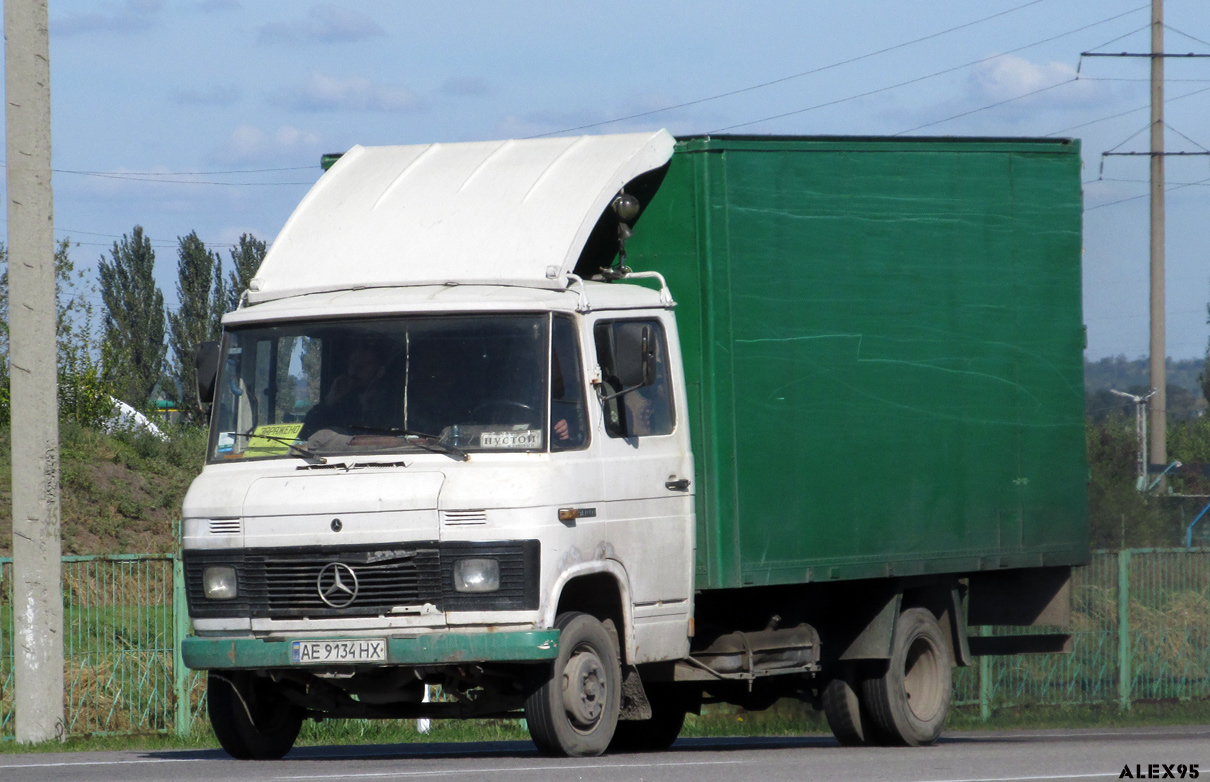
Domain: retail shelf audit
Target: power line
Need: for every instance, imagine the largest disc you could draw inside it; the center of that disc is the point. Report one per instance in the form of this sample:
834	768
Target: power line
142	178
985	108
929	76
178	173
783	79
1129	111
1186	35
1144	195
185	173
1123	78
67	233
1200	183
1120	37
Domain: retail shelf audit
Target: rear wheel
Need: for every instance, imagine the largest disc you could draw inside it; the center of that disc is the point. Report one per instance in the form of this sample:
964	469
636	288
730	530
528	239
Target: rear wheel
911	699
668	710
575	710
250	717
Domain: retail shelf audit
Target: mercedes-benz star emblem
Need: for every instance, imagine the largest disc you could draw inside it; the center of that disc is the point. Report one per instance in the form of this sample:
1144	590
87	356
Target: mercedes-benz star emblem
337	584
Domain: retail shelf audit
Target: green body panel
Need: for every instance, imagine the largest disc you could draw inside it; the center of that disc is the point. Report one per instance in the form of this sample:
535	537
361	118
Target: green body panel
216	653
883	346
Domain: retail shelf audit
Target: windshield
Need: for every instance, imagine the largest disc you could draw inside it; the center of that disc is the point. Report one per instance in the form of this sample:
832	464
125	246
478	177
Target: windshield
451	384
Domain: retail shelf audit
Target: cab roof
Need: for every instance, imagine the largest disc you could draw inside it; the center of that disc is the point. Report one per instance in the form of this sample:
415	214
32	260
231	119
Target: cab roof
518	212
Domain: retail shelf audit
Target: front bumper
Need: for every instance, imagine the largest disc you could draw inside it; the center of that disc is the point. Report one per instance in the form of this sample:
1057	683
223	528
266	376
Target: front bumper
206	654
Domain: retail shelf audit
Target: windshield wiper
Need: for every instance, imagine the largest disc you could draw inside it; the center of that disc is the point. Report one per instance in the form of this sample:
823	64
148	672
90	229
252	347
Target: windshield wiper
307	452
434	443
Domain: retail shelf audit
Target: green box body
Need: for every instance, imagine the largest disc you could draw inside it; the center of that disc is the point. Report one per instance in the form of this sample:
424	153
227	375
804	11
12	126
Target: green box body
883	346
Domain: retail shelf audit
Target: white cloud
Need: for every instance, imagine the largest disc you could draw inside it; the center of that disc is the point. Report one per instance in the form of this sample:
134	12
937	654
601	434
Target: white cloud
250	144
133	16
327	24
1010	77
356	93
1006	94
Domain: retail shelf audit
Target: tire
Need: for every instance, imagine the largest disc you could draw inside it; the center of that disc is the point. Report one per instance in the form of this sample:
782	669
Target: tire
909	701
574	712
668	710
848	719
253	722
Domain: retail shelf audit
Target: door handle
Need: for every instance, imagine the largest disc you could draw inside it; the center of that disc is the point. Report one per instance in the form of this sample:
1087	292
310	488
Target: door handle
677	485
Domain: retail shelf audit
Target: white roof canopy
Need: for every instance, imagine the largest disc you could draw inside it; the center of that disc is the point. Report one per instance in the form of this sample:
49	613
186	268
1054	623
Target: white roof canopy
498	211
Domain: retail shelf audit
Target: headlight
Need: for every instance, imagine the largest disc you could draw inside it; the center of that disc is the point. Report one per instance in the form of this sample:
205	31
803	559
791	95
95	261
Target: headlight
219	582
476	575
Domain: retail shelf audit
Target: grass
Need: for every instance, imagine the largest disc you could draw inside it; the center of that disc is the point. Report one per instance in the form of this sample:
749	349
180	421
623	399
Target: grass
787	718
121	492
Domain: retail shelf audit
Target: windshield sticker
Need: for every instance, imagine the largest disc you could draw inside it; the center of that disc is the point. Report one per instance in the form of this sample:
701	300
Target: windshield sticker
226	442
272	439
531	438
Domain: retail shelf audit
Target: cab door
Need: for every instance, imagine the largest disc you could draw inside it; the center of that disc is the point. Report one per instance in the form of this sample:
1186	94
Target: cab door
642	441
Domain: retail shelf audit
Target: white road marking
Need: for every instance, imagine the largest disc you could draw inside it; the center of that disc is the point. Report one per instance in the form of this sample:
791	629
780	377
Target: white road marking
507	769
1100	775
105	762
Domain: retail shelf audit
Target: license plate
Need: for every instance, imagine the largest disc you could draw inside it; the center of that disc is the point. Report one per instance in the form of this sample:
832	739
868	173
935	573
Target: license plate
351	650
530	438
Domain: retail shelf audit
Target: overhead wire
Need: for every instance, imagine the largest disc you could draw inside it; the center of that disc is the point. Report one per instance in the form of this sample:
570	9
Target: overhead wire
141	178
928	76
791	77
988	106
1128	111
133	174
1145	195
1187	35
1120	37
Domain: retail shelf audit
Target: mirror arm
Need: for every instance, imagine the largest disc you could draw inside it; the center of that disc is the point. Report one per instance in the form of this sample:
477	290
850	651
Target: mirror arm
606	397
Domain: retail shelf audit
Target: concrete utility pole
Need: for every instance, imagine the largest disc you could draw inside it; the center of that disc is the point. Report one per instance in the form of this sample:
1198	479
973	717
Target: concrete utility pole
1159	348
1158	445
37	549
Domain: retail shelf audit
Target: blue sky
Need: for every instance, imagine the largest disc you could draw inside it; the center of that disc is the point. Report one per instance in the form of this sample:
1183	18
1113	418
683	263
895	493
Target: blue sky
147	92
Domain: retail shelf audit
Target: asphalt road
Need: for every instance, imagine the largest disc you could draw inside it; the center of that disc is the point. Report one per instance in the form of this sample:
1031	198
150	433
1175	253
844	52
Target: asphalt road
1026	756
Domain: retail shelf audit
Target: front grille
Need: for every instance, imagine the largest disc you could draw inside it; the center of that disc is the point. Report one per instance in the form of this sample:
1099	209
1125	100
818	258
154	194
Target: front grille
286	583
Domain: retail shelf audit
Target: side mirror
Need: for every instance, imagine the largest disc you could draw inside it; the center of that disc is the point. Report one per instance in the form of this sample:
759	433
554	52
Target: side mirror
634	355
205	362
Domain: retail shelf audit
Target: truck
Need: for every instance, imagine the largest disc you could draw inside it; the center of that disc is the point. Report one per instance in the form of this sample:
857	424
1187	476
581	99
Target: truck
599	430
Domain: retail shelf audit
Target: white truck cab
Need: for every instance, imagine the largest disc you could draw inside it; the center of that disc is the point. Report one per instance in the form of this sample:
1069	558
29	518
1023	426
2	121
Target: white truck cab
436	454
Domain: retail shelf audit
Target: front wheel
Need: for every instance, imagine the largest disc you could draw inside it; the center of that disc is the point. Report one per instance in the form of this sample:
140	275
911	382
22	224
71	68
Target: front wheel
250	717
911	699
575	710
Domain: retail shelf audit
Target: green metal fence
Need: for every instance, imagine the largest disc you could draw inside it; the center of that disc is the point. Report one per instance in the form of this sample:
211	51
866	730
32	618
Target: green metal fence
1141	627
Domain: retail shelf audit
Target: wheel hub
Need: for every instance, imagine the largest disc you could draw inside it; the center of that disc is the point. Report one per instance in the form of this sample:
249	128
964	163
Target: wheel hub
584	688
922	679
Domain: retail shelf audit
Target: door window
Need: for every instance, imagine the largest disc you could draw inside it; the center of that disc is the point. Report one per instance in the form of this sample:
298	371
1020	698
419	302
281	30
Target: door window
640	410
568	413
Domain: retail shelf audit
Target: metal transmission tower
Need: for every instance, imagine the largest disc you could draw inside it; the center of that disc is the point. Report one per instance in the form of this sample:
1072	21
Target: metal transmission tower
1158	446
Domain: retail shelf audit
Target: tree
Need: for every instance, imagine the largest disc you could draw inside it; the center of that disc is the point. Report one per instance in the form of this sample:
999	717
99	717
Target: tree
200	290
133	349
246	258
84	397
